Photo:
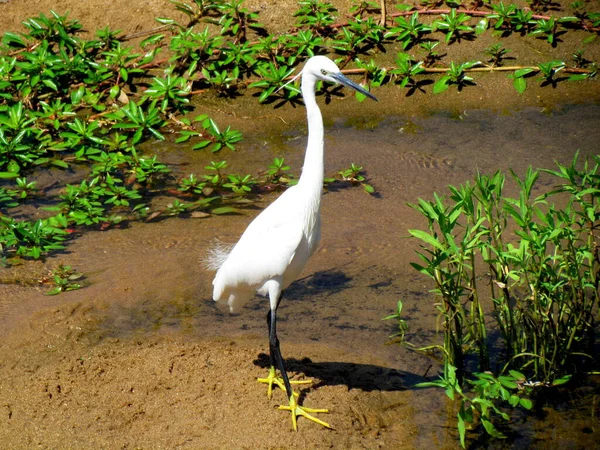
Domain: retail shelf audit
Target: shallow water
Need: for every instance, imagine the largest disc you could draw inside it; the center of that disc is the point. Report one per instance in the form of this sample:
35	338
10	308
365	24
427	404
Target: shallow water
148	277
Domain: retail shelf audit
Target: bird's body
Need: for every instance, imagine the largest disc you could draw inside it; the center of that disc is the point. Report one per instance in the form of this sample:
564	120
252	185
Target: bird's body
272	251
277	244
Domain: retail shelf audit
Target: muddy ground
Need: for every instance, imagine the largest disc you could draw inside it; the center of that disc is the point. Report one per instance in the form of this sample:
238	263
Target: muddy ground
141	358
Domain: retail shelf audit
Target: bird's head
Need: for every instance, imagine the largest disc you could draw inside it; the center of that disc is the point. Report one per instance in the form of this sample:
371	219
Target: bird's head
322	68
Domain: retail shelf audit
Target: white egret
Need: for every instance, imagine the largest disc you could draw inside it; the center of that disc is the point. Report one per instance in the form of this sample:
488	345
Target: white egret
275	247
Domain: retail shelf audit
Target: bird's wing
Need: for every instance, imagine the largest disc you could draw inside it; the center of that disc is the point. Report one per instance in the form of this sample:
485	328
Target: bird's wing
263	252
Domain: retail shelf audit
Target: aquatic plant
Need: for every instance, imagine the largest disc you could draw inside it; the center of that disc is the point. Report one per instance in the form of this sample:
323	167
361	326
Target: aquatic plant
63	278
532	264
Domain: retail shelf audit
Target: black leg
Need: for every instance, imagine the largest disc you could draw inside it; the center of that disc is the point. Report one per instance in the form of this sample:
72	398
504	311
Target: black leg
275	352
277	361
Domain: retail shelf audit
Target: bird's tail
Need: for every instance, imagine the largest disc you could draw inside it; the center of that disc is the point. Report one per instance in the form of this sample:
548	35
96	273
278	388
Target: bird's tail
216	255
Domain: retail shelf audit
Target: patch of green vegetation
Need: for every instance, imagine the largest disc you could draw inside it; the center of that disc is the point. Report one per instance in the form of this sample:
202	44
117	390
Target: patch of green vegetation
534	264
68	102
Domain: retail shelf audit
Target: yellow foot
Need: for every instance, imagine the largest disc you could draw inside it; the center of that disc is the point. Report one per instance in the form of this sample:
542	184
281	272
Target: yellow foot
302	411
273	379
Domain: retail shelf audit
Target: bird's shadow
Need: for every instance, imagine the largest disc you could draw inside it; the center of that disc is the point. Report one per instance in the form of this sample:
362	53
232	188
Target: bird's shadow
324	282
366	377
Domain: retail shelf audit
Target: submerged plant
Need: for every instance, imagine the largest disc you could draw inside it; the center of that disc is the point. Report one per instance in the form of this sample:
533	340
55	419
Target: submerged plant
482	403
63	278
354	174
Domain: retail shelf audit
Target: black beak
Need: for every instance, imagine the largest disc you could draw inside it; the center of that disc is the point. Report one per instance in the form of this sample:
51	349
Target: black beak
345	81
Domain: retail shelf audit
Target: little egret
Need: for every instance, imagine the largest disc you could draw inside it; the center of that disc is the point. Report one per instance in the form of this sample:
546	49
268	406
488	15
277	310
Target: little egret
275	247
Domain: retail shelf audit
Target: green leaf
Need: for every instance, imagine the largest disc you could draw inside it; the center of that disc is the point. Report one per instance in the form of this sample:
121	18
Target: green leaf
8	175
114	91
517	375
60	163
13	166
569	19
520	84
482	25
201	145
523	72
507	382
561	380
225	210
360	96
525	403
54	291
461	427
441	85
431	384
51	84
578	77
491	429
427	238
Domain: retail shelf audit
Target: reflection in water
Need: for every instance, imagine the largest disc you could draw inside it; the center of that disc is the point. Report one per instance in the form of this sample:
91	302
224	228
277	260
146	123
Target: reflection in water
147	278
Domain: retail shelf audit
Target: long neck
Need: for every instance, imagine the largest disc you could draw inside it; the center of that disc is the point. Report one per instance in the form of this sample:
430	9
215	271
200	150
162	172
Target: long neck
313	170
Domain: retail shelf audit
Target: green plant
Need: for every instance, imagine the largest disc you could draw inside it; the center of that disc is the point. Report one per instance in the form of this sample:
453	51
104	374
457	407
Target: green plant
63	278
305	42
402	325
132	117
502	15
236	20
354	175
176	208
543	286
315	15
549	71
25	188
216	178
454	25
496	53
431	56
225	82
226	138
239	184
277	172
521	20
519	81
406	69
120	60
32	239
546	28
541	283
408	31
455	75
481	403
273	81
375	76
191	184
366	31
172	92
193	50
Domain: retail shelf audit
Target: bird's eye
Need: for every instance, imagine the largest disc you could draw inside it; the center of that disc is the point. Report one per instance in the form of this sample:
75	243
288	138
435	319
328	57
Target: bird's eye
323	72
